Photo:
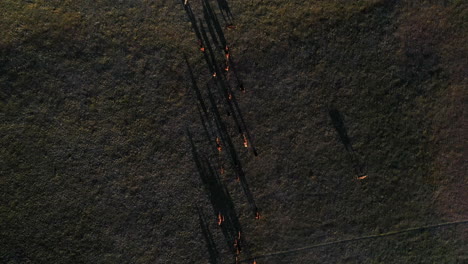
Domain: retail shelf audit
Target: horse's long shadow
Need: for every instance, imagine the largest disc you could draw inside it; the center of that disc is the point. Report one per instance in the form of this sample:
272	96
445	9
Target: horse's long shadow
223	206
246	129
213	25
234	158
219	79
225	11
338	124
210	16
210	244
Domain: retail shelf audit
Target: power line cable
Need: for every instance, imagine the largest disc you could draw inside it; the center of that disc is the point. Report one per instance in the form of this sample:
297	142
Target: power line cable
290	251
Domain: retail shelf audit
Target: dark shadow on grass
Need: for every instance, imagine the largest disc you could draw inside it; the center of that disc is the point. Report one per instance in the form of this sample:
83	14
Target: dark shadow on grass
247	132
210	244
234	158
193	22
223	207
338	123
225	11
221	201
211	18
233	69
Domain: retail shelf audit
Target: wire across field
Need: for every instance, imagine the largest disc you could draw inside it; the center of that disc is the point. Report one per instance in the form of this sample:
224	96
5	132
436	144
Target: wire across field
296	250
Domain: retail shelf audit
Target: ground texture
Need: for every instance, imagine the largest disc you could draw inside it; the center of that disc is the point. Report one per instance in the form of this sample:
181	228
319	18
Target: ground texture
95	99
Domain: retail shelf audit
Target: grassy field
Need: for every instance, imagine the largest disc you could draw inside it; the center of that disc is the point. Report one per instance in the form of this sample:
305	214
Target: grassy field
95	98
